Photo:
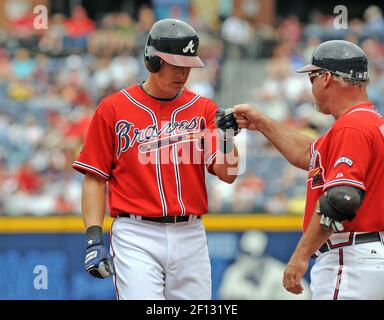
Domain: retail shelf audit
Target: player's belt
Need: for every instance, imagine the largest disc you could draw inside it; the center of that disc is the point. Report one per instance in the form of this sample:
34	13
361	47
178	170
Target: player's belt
165	219
359	239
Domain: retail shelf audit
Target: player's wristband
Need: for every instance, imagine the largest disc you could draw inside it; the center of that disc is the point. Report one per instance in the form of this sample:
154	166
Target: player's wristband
226	145
94	233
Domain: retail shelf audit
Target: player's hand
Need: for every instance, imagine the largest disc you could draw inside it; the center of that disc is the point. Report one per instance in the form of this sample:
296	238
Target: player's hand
328	222
293	274
226	123
247	117
98	261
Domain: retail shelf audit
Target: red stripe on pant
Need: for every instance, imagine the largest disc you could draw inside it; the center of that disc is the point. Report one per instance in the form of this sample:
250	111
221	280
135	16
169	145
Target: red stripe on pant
338	281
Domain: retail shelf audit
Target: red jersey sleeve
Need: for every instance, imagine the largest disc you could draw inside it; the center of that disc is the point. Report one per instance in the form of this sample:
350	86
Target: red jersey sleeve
97	154
211	137
348	159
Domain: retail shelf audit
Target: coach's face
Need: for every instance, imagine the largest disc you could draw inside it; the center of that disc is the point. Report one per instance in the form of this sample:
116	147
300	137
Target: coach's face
320	80
171	79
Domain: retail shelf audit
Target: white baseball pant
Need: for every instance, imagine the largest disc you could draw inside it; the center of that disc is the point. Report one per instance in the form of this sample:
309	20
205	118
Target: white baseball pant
160	260
351	272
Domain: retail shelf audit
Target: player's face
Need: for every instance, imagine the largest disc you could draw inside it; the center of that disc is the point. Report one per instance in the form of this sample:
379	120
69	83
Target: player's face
171	79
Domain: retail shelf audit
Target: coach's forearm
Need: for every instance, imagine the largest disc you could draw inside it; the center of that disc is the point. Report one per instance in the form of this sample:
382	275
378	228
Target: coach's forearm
226	166
312	239
293	145
93	200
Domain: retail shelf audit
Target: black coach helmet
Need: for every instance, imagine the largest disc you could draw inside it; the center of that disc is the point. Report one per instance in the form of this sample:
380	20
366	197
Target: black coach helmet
339	57
173	41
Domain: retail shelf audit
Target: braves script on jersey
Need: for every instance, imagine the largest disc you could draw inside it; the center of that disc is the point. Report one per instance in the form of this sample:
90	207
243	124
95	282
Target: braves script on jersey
351	153
143	146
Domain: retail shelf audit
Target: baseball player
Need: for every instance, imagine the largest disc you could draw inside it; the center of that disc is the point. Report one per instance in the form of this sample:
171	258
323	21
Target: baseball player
150	144
344	215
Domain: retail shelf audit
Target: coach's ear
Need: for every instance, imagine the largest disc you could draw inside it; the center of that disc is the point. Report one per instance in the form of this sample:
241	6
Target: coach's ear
327	78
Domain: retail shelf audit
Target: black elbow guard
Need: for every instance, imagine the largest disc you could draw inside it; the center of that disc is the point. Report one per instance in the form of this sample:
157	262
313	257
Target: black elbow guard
341	202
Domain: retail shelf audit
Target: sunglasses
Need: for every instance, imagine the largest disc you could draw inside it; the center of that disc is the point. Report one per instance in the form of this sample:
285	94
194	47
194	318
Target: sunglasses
314	74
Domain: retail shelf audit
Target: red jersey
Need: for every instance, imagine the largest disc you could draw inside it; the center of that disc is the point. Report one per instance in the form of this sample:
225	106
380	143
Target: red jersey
351	153
152	153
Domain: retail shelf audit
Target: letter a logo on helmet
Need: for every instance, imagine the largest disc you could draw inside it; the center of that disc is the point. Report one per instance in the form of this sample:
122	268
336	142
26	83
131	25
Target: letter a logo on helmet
173	41
189	47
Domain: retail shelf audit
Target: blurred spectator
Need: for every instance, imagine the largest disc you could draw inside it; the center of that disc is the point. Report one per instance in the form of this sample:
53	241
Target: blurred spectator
75	72
22	64
115	35
78	27
22	26
28	180
374	26
200	83
290	30
52	39
124	70
146	19
220	195
20	90
248	194
311	45
237	34
124	23
277	204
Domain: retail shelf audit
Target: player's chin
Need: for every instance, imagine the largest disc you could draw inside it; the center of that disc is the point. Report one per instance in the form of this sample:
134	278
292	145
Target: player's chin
174	88
178	84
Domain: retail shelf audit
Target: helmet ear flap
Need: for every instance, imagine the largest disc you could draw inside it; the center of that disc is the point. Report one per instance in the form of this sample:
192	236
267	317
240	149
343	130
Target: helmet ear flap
152	62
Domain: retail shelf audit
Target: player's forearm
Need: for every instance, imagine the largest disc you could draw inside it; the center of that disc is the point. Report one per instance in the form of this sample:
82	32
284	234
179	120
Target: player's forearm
93	200
294	146
226	166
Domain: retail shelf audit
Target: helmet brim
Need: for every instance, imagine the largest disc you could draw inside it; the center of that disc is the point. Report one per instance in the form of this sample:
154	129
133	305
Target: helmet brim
181	61
308	68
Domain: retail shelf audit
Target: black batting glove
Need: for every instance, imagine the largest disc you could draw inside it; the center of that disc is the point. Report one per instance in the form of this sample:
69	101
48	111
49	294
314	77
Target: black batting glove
226	123
227	128
98	262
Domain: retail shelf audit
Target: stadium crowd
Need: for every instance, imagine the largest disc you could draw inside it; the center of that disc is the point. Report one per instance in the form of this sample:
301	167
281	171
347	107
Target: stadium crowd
52	80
